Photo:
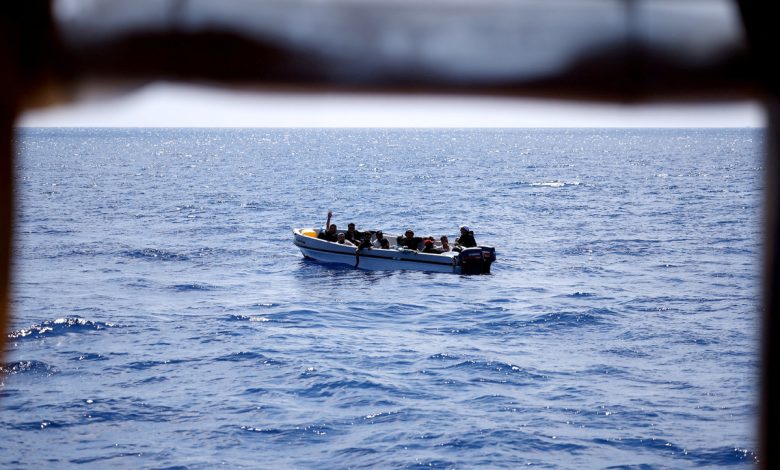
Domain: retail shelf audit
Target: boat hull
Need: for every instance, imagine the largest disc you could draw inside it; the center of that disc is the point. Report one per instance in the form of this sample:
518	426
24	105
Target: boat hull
375	258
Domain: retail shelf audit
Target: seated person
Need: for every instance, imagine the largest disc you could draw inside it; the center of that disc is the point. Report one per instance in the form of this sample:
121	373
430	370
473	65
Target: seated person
429	247
408	240
353	235
330	234
342	240
366	241
379	236
445	243
384	243
466	239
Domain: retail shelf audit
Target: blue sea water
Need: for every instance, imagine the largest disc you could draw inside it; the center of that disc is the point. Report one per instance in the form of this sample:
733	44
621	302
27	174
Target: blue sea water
164	319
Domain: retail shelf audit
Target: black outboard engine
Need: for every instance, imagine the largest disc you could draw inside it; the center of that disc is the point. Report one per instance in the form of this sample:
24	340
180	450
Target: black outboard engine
476	260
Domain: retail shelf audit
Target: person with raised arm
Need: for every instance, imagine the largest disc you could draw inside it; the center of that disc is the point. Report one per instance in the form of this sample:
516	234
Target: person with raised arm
329	232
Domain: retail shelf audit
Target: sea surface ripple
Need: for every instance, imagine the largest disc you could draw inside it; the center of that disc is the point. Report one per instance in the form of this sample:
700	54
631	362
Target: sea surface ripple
163	318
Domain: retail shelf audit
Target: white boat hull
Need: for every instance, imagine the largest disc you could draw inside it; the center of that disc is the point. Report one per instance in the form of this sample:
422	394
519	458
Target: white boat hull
375	258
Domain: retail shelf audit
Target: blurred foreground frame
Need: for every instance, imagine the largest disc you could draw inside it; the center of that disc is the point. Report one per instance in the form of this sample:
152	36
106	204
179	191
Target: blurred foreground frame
617	51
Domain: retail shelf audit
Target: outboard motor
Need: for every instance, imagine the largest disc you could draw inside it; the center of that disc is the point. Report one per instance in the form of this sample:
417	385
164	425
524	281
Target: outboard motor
477	260
488	256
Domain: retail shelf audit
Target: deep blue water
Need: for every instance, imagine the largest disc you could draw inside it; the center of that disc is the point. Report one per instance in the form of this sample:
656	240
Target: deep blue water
163	317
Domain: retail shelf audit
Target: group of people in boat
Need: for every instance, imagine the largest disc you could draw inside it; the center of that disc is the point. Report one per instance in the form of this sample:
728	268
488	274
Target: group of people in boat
376	239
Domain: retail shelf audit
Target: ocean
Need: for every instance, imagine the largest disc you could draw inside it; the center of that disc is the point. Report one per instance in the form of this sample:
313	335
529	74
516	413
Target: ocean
164	319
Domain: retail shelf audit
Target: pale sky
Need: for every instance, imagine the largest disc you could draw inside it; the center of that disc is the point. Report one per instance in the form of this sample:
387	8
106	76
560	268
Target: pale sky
176	105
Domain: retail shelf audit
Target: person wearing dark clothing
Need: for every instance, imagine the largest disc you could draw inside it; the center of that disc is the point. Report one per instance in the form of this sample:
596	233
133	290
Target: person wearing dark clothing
466	239
353	235
330	235
408	240
384	243
366	242
330	232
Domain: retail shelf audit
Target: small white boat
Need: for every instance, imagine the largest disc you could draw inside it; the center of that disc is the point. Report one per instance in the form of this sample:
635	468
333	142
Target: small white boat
468	261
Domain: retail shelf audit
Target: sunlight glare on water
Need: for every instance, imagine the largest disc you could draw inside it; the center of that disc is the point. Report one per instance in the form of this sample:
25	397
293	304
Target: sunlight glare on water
164	317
